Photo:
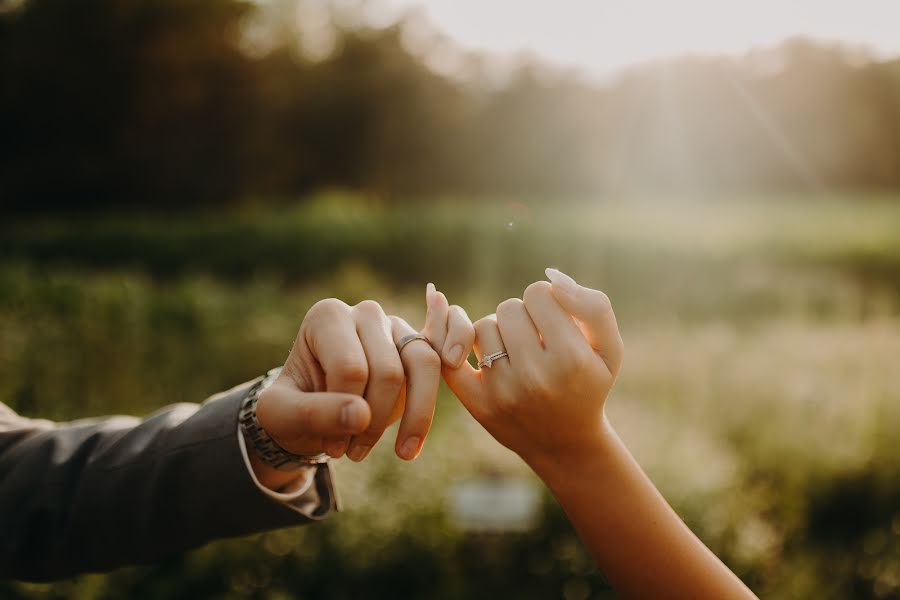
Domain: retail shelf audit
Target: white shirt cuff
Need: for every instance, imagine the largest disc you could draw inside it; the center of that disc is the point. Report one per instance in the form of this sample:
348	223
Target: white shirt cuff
300	495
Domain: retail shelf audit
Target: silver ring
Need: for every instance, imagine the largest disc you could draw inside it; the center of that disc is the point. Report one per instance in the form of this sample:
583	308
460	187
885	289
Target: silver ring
411	338
490	358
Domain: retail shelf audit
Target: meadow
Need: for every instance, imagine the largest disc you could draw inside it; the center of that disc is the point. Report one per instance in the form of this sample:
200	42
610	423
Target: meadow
761	388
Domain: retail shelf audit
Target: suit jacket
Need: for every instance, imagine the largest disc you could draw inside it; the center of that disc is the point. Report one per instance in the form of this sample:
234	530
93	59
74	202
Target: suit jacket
96	494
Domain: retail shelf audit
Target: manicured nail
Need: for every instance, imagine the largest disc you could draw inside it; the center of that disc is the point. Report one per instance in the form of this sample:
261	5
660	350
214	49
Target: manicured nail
429	294
454	355
561	280
410	448
357	453
353	417
335	448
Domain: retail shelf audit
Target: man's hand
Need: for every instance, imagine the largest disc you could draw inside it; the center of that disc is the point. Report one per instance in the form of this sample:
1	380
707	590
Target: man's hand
344	382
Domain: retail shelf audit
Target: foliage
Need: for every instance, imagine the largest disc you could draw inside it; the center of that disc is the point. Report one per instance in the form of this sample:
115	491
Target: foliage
759	390
700	258
108	105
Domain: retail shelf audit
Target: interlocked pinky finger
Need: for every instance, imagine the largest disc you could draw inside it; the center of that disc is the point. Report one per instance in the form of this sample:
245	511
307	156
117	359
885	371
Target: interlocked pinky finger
460	338
436	315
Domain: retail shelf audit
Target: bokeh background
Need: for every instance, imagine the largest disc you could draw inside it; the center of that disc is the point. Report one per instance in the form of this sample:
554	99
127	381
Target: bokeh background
181	179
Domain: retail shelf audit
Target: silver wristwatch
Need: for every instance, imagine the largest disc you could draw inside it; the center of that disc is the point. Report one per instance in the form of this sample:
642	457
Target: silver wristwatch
269	452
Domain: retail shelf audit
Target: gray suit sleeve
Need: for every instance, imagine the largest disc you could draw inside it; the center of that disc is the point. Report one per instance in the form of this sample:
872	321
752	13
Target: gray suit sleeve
98	494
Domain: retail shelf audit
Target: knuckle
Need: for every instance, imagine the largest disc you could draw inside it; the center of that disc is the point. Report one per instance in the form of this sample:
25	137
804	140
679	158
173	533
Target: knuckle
425	357
327	307
459	316
351	370
508	307
602	303
396	321
390	373
534	385
369	308
537	291
484	325
459	311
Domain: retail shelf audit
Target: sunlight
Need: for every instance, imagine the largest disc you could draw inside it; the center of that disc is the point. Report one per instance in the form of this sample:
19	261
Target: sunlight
603	37
776	133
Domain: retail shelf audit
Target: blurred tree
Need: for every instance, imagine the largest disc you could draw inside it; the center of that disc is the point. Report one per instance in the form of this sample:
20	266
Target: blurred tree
107	102
161	105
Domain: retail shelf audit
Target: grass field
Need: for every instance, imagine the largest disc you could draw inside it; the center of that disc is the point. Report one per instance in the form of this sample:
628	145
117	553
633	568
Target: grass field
761	387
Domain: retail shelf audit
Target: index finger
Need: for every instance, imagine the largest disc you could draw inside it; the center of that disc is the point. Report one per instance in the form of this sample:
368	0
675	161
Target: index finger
423	373
333	340
595	316
557	327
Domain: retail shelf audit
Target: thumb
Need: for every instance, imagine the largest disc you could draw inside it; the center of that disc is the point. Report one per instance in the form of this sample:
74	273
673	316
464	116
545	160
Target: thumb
594	313
286	412
465	383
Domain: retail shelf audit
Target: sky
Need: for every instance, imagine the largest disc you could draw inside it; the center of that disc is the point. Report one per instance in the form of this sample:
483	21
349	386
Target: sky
603	36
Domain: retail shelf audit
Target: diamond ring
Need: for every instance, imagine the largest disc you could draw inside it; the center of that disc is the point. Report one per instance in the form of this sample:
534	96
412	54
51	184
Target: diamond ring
490	358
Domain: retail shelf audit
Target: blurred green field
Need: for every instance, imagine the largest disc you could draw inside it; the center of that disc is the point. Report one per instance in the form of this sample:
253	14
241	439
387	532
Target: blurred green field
761	387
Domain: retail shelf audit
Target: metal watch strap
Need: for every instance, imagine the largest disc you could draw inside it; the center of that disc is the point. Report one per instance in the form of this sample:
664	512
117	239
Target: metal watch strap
269	452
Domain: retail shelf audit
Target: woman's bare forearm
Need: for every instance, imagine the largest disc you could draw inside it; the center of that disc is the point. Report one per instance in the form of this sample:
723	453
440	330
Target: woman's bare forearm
639	542
544	399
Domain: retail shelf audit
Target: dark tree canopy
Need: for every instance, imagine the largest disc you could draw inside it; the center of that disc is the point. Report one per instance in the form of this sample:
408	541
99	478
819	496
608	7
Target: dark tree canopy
112	104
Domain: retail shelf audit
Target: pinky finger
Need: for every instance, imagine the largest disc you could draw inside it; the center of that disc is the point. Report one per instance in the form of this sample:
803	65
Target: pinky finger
435	328
460	338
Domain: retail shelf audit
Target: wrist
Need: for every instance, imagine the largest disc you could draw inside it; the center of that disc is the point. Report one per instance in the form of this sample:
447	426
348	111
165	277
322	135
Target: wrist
562	466
269	477
265	448
272	466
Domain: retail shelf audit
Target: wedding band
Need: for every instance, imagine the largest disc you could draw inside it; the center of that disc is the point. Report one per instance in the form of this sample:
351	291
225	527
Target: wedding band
411	338
490	358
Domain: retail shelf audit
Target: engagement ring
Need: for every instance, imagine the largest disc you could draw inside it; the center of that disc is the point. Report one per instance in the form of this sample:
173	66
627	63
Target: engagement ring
490	358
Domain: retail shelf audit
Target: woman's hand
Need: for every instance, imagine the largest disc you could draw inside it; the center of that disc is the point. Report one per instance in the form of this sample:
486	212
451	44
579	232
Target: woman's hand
545	399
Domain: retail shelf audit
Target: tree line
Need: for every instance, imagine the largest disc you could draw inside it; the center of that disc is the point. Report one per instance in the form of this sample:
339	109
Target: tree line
116	105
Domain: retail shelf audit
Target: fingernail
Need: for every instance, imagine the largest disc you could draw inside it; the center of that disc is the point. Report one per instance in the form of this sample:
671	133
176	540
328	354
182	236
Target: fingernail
353	417
410	448
335	449
429	293
357	453
454	355
561	280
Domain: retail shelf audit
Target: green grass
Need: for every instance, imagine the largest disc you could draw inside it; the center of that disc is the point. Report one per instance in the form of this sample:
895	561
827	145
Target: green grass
760	387
467	243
